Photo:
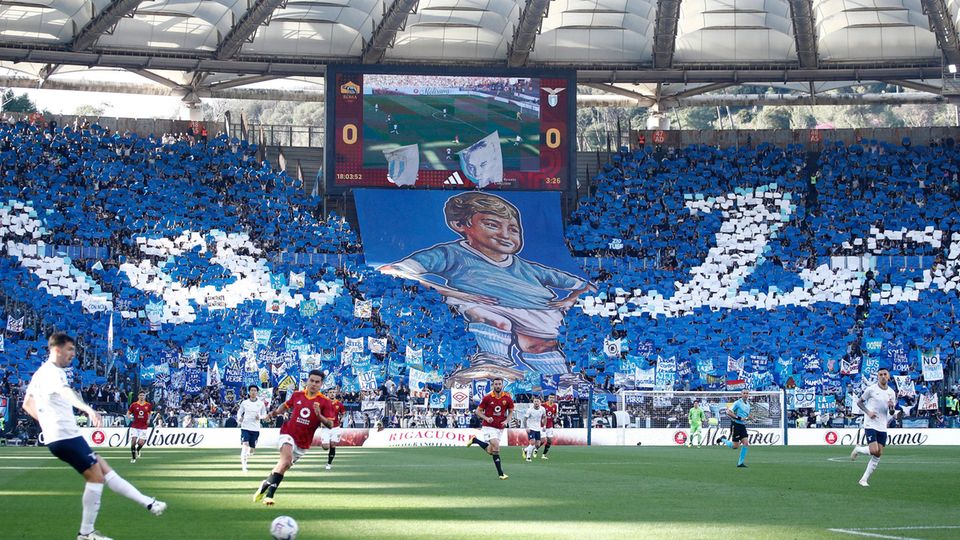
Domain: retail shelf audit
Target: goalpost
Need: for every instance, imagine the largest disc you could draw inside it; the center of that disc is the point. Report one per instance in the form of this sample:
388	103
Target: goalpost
667	409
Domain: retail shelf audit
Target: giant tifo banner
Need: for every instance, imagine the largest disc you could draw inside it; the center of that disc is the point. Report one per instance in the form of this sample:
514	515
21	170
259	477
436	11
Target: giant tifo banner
498	259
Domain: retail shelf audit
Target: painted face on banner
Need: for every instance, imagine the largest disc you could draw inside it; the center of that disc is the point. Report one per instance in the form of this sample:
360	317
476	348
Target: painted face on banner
488	233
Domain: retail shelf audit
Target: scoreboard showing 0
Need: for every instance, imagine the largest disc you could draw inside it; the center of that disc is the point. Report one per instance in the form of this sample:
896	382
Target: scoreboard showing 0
382	125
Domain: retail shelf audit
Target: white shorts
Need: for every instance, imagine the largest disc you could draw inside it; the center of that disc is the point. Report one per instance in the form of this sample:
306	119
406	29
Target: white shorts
540	323
548	432
331	435
489	433
138	433
297	451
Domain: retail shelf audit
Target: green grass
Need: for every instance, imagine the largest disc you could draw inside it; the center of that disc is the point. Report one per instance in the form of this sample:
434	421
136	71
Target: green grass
421	122
640	492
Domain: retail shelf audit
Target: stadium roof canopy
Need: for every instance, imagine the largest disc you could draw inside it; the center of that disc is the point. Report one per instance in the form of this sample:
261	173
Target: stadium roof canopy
211	46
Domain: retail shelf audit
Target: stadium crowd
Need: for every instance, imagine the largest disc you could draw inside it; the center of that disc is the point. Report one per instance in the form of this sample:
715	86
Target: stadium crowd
187	291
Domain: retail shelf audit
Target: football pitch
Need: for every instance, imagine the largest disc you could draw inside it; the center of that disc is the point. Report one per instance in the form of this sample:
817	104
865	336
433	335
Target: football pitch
639	492
420	120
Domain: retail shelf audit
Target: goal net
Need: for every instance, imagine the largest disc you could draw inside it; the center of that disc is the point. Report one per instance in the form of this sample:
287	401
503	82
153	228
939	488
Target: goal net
653	409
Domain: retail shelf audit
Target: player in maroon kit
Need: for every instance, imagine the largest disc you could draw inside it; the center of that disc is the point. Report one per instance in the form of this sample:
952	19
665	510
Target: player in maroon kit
551	417
495	411
330	437
139	412
309	409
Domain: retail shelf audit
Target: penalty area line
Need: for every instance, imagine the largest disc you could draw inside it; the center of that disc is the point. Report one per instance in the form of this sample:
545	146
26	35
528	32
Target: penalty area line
856	532
867	531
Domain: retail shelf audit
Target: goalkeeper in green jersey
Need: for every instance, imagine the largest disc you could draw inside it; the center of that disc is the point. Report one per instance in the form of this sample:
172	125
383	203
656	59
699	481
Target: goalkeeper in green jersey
696	417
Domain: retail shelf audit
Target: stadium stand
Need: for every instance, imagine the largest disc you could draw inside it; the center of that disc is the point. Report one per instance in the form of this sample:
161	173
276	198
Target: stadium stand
741	263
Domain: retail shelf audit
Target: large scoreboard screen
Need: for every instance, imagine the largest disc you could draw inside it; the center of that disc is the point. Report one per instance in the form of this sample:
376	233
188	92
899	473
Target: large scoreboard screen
449	129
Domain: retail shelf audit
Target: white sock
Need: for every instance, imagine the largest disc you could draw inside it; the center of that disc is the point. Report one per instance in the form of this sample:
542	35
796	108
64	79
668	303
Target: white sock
529	450
871	466
244	454
865	450
122	487
91	506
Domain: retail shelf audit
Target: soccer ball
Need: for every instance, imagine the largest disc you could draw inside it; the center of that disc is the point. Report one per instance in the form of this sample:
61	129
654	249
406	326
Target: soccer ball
284	528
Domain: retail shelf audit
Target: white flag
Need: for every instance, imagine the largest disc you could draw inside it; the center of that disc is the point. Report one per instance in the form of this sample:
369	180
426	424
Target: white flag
482	161
460	395
611	347
363	309
14	325
297	280
403	164
929	402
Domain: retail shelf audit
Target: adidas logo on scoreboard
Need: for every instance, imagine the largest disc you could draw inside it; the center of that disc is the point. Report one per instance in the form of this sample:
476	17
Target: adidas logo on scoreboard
453	180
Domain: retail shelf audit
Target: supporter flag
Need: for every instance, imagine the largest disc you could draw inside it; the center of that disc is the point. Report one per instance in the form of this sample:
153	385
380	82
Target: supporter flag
261	336
440	400
414	357
735	364
480	389
932	366
396	369
2	349
14	325
811	362
666	373
193	380
308	308
784	370
805	398
600	402
418	382
851	366
353	345
278	281
190	356
368	380
549	383
349	385
298	280
403	164
704	366
905	386
213	375
363	309
871	364
897	354
611	347
646	378
297	345
133	355
460	396
565	393
624	380
377	345
275	306
826	404
929	402
482	161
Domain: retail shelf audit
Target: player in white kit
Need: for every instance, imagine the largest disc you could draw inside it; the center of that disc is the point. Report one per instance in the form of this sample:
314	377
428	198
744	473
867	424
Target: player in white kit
876	402
535	418
50	401
251	412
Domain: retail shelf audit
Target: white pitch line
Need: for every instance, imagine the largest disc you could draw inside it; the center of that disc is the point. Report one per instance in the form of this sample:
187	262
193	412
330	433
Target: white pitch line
914	528
871	535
